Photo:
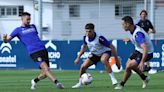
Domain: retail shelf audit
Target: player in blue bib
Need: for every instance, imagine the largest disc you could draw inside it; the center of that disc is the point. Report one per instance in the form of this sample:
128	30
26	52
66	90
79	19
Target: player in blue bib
28	35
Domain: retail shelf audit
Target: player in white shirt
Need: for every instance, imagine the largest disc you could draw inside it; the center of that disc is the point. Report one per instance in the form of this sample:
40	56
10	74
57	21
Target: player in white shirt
143	52
100	49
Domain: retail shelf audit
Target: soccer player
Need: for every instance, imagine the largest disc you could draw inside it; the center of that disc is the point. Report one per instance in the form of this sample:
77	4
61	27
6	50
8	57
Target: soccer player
28	35
148	28
100	49
143	52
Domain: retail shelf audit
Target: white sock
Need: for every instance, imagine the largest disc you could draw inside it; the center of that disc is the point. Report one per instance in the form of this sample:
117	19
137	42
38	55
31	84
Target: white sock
113	79
112	75
80	81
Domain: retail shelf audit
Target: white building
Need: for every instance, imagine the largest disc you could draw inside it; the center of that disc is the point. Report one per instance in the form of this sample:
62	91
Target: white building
65	19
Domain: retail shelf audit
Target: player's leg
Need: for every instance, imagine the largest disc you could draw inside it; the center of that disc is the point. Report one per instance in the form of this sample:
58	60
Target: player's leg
144	78
37	79
147	66
139	72
42	76
41	58
85	66
129	65
132	64
47	72
83	69
136	56
104	60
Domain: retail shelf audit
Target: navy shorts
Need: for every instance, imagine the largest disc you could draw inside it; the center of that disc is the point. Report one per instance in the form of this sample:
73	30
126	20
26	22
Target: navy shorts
95	59
40	56
138	56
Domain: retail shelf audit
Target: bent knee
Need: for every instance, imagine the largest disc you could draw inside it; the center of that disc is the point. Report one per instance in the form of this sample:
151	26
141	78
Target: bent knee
44	70
43	76
104	60
130	64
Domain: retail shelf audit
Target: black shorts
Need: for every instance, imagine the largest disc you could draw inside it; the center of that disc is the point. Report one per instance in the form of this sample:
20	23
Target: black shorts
95	59
40	56
138	56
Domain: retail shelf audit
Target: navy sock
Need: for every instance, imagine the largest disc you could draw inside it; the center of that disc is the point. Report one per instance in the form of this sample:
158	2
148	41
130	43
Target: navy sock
122	83
36	80
56	81
143	77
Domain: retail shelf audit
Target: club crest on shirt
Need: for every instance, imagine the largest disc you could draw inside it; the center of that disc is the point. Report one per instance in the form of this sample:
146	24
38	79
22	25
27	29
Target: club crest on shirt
142	24
138	59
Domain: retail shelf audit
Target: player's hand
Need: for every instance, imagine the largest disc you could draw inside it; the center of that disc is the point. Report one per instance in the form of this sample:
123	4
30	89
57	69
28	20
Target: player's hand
76	60
126	39
4	37
141	66
151	31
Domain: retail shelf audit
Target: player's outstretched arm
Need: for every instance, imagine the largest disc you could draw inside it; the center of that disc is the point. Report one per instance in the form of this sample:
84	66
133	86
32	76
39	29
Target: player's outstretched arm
6	38
82	50
113	49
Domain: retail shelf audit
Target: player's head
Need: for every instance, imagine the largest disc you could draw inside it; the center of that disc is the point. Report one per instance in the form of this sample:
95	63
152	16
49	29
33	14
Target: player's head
143	14
89	29
26	18
127	22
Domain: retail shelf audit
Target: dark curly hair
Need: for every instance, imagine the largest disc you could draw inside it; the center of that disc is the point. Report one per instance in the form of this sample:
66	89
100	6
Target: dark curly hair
144	12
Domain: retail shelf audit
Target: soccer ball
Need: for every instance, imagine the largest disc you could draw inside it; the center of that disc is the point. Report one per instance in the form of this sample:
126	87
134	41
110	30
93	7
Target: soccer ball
86	78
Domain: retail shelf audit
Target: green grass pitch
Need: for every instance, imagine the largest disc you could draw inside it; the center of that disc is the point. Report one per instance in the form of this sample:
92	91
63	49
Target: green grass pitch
19	81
